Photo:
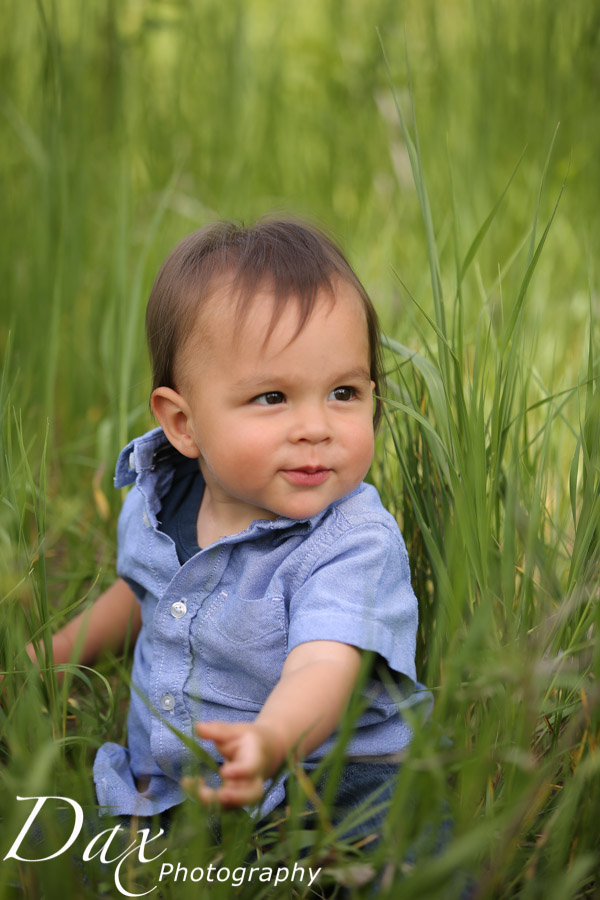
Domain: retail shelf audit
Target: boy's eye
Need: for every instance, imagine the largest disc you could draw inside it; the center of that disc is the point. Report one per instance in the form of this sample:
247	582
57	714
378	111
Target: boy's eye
343	393
270	398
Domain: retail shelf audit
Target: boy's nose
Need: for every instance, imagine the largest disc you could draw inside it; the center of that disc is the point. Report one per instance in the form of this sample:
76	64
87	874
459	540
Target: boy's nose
312	425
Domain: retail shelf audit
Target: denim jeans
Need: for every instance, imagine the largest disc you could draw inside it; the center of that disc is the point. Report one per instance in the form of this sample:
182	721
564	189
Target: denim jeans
361	799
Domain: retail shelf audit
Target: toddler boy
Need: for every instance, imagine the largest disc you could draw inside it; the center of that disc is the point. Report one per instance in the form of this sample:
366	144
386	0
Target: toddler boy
255	565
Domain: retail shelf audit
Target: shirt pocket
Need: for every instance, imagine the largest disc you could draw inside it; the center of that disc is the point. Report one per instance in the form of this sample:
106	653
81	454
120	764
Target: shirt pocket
242	645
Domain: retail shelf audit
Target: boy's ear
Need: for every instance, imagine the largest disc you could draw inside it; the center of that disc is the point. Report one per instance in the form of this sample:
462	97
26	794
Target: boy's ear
174	416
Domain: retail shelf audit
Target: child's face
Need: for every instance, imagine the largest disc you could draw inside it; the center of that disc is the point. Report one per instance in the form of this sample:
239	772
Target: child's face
282	428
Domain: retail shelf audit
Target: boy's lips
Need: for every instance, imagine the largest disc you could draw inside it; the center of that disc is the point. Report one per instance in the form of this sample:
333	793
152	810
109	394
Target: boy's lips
308	476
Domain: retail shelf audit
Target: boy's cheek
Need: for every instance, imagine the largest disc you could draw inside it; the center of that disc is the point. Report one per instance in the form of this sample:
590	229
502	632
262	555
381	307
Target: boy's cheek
364	449
362	436
243	452
253	440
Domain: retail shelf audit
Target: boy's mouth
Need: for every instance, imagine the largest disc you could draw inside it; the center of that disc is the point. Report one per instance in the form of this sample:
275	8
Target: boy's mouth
308	476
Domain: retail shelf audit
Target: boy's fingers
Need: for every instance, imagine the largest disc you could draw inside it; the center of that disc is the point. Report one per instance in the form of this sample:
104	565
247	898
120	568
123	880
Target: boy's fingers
218	731
239	793
231	741
230	794
198	787
237	770
225	736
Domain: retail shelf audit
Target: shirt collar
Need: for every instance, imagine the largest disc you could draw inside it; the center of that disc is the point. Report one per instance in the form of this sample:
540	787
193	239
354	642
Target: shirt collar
141	455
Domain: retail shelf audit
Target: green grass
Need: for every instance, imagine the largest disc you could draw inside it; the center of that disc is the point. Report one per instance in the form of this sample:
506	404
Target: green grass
123	126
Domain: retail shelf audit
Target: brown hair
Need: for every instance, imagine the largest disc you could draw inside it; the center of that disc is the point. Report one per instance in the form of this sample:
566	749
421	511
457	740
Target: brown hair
293	257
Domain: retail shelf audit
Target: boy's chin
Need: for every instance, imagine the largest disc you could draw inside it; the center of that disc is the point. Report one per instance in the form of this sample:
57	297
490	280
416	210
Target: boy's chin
306	508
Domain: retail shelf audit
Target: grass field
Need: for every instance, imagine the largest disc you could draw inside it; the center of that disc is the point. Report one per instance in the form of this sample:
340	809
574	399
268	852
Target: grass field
453	149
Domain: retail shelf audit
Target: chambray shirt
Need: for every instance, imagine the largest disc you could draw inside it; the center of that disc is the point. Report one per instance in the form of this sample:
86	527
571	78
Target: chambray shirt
216	630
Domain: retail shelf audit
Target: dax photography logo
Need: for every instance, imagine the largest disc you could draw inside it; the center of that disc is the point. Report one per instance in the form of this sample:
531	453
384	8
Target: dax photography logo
99	846
103	847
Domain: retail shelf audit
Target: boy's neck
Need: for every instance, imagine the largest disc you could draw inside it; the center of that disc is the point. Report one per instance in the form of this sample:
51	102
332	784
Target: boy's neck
221	518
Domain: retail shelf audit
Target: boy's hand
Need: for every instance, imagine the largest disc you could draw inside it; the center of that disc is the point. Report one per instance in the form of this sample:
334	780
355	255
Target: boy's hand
298	715
250	752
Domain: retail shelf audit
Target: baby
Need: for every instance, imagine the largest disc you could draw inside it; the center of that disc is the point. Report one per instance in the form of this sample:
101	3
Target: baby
256	566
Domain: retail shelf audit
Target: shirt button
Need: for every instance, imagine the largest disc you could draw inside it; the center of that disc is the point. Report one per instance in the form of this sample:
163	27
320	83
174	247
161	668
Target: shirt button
179	609
131	460
167	701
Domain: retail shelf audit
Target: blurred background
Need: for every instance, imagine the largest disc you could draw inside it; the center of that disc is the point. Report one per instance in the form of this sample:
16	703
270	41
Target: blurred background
125	124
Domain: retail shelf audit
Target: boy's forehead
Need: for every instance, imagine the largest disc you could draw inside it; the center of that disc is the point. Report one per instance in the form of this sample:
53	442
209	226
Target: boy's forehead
230	321
232	311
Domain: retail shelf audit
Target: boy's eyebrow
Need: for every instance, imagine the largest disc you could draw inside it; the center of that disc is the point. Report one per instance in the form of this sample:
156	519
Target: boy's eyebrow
358	373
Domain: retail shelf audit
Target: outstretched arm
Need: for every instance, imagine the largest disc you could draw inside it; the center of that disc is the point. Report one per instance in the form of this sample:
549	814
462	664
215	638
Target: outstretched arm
302	711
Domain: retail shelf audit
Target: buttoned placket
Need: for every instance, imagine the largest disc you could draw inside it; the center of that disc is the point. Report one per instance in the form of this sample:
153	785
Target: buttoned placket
172	653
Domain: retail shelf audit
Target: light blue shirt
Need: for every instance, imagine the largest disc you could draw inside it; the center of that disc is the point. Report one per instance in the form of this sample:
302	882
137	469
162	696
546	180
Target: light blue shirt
216	631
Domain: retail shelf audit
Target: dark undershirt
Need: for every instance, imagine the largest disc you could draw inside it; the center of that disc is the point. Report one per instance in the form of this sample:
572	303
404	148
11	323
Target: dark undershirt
178	514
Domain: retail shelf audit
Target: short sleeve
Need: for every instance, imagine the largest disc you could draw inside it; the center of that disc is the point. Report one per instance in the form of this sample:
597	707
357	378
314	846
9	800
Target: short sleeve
359	593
